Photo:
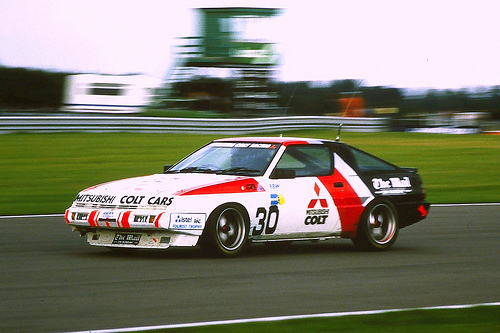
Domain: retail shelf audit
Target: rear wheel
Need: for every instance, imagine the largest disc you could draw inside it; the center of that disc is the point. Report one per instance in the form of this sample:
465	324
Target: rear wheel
226	232
378	227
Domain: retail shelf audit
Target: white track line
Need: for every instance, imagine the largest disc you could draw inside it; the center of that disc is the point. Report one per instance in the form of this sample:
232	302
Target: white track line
281	318
467	204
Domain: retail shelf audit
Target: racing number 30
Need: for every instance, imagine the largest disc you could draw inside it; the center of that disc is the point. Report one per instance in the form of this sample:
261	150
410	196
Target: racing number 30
267	222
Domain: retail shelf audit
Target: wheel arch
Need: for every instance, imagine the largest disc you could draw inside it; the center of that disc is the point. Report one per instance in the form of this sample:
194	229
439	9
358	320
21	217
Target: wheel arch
233	204
362	239
206	238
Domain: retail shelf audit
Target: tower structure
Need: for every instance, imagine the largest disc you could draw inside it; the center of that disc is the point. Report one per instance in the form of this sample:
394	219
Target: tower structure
232	44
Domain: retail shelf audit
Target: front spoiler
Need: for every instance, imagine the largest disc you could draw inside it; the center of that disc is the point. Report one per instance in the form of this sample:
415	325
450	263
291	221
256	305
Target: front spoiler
139	239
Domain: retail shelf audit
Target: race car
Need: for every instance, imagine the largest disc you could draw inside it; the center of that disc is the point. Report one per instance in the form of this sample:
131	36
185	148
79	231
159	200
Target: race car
236	191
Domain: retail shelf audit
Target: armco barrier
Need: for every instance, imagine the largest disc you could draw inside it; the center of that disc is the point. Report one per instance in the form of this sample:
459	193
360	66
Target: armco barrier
9	124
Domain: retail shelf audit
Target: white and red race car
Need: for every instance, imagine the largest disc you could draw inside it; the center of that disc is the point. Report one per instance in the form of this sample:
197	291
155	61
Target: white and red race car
235	191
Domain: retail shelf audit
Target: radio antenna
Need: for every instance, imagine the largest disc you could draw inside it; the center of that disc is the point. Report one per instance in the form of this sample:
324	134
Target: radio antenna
338	132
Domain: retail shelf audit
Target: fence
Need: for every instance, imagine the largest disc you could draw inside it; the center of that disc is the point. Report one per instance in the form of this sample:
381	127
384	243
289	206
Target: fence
62	123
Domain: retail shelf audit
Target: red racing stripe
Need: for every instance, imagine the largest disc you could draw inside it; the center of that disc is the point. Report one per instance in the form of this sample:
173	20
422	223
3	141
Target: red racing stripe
124	220
347	201
66	216
118	219
245	185
157	221
296	142
93	218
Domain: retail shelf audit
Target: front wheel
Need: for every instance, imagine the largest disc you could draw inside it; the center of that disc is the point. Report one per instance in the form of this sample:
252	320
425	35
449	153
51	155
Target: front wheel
226	231
378	227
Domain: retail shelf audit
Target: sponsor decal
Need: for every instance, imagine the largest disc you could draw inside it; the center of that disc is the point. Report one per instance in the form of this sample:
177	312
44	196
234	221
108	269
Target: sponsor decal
132	199
395	182
150	219
92	198
187	221
315	214
277	199
129	239
107	215
141	218
153	201
80	216
160	201
126	199
322	202
315	219
244	145
394	185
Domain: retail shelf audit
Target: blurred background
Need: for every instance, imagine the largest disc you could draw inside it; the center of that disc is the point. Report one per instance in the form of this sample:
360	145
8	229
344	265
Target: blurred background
425	65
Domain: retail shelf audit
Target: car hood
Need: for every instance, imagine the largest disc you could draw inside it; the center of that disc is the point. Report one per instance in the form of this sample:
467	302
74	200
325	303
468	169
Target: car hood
158	189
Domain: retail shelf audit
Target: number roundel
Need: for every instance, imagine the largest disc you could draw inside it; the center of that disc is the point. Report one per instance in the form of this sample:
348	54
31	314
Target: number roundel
268	220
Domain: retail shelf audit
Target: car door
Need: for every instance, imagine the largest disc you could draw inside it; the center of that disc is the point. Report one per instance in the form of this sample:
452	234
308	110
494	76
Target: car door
300	205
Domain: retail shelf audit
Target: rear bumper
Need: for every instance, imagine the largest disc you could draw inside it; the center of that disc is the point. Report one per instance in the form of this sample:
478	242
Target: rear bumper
412	212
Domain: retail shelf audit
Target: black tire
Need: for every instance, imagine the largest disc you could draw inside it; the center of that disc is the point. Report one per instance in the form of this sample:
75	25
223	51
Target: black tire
378	227
226	232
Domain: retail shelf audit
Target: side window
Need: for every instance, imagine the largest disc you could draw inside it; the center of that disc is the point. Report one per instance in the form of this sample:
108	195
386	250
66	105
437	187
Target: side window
306	161
367	162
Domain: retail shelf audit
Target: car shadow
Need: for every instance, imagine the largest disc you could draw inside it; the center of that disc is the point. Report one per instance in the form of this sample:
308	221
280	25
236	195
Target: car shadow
251	251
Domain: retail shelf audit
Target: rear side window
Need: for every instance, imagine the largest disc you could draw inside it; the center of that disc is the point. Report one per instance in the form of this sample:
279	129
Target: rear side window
307	160
367	162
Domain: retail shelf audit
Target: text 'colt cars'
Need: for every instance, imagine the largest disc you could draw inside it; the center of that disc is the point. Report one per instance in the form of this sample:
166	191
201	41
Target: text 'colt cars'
236	191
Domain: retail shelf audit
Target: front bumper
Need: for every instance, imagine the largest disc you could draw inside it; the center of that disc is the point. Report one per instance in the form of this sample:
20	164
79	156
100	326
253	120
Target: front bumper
139	228
139	239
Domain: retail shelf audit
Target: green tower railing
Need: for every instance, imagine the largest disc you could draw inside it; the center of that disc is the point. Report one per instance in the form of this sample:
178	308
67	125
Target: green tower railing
232	39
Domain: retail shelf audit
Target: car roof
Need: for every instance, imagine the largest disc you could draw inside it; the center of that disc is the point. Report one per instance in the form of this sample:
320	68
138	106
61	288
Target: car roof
277	140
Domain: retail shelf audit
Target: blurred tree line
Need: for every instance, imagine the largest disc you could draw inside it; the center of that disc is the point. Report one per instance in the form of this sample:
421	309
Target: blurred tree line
37	89
28	88
319	98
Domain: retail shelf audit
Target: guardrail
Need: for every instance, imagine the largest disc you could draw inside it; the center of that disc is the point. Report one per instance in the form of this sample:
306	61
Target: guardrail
9	124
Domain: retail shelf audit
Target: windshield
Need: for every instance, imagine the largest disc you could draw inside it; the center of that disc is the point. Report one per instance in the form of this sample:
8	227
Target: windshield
229	158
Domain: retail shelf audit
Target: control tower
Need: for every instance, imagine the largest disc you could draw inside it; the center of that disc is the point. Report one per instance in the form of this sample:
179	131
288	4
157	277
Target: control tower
231	45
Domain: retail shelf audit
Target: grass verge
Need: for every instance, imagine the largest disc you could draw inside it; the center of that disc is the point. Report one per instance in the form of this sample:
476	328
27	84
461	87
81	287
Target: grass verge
42	173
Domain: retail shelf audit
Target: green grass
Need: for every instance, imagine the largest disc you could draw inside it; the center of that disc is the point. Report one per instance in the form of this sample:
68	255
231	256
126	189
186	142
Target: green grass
42	173
476	319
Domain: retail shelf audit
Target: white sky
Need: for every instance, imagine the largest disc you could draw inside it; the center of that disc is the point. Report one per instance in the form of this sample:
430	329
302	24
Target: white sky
401	43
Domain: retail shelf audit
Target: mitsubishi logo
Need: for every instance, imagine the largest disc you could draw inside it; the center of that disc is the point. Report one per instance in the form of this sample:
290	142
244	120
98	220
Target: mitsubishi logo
313	202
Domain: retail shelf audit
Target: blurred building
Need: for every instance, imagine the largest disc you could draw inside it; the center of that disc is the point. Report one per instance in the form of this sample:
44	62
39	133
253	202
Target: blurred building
109	93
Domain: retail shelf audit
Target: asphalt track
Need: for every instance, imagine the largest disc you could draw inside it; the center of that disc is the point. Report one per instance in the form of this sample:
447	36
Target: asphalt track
52	281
